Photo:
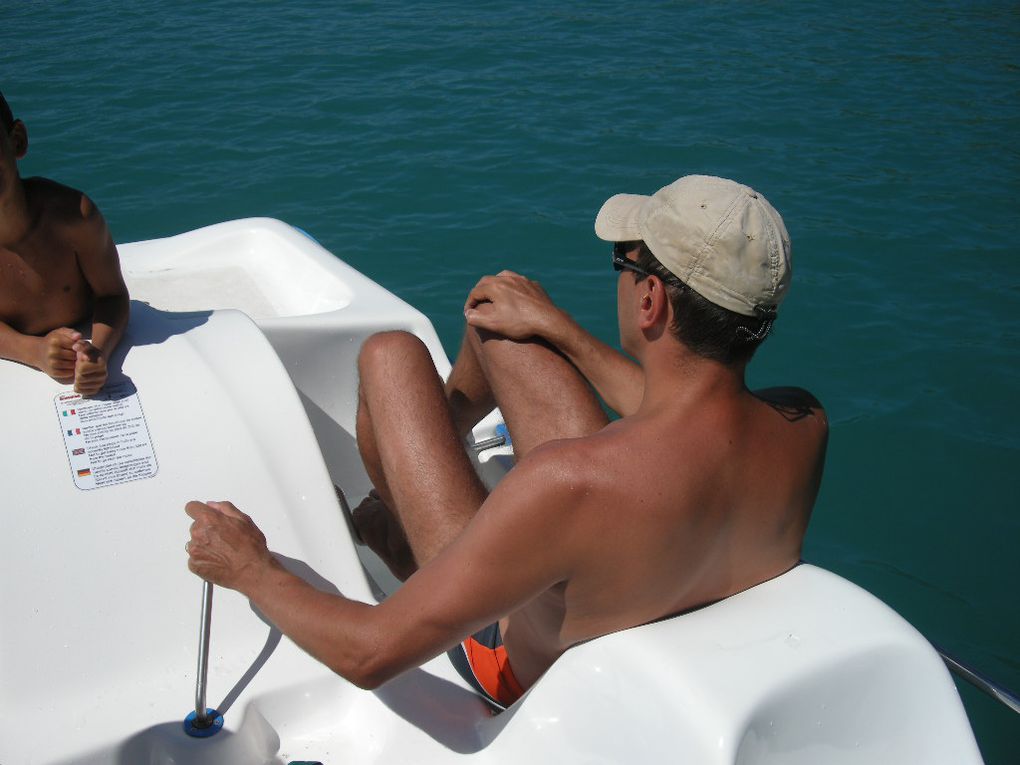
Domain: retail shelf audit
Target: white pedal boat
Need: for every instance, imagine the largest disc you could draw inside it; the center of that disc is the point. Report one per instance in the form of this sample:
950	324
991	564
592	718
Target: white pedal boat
241	350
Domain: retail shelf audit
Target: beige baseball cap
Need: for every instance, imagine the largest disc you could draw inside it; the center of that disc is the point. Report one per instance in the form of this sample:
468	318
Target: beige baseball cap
719	237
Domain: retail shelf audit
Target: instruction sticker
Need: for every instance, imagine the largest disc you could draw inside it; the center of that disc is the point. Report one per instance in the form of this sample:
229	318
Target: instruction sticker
106	437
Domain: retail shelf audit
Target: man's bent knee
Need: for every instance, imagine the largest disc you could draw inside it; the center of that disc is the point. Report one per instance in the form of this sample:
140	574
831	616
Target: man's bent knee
381	350
498	353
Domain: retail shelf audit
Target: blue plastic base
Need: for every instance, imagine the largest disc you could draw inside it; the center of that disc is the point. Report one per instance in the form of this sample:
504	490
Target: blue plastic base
502	430
193	730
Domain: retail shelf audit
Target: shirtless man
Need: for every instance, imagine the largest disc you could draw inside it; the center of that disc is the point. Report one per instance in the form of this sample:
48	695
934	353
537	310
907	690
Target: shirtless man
702	488
58	268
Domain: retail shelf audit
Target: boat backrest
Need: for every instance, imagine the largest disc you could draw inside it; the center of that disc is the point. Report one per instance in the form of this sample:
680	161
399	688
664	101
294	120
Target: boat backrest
806	668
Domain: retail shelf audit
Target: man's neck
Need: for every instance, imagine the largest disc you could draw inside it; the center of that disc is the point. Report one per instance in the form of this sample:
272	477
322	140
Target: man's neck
683	378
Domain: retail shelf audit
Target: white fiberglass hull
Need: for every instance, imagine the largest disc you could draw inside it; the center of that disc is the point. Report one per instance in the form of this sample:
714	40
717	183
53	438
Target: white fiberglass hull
241	352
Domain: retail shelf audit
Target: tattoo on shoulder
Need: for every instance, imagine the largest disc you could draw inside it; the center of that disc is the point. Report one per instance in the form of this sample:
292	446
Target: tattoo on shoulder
792	403
791	412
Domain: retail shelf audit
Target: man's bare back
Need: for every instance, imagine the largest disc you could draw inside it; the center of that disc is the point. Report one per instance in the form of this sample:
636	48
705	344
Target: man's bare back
672	511
59	273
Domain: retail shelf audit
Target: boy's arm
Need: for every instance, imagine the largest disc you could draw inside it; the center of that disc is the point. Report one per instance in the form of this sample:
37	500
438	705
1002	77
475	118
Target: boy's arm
52	353
100	265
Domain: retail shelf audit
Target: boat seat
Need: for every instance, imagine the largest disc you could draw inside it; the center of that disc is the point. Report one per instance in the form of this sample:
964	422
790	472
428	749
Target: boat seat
806	668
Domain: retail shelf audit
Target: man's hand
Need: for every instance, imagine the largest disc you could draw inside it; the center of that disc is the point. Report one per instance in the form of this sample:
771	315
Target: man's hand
89	369
518	308
55	354
226	547
513	306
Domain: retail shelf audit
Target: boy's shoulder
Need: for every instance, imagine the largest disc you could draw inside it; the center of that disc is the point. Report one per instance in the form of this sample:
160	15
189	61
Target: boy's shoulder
53	198
55	204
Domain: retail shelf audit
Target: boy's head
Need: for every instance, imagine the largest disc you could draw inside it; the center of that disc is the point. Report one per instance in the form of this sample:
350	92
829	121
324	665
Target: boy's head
6	116
13	145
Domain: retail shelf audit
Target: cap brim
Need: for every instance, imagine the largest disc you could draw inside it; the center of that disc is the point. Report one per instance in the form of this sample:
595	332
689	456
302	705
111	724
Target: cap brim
617	221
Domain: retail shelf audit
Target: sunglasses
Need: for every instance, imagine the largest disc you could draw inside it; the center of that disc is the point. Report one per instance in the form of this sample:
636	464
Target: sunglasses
620	261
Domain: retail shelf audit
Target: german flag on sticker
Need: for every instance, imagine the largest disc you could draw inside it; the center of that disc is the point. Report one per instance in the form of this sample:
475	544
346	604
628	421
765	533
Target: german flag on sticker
84	472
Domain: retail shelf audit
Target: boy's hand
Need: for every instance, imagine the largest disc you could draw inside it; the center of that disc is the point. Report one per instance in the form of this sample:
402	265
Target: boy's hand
89	369
56	355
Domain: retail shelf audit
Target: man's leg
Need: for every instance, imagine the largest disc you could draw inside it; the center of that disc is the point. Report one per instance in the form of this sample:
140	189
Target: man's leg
541	395
467	389
410	447
411	439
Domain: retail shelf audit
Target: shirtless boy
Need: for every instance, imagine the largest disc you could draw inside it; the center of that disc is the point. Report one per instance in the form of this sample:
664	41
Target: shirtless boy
58	269
700	490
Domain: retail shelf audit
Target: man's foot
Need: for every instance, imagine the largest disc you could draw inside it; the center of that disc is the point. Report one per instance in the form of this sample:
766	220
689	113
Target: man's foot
377	527
348	516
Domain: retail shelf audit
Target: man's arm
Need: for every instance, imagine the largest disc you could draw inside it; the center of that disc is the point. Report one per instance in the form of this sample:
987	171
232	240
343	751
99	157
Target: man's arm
100	264
497	565
518	308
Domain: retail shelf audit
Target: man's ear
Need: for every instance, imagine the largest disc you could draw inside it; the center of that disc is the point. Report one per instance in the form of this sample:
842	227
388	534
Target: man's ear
19	139
653	304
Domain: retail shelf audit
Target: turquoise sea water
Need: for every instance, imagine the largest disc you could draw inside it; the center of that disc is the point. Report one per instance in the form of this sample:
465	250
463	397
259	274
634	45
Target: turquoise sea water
428	144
